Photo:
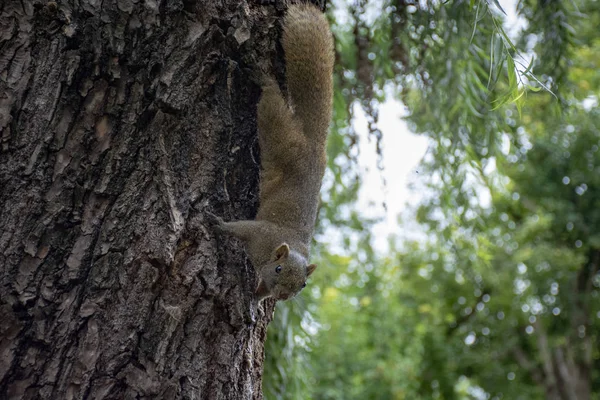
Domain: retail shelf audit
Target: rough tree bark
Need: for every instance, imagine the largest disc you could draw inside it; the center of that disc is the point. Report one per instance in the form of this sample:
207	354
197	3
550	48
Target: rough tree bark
121	122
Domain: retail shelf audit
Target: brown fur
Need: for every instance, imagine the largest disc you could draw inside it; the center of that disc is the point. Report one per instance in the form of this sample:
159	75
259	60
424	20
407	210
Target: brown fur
292	140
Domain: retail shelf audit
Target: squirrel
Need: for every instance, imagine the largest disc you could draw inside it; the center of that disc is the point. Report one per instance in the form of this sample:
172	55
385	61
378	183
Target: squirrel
292	138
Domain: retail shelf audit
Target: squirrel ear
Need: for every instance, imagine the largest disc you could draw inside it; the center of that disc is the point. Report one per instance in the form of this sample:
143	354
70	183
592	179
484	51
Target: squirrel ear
310	269
262	290
283	251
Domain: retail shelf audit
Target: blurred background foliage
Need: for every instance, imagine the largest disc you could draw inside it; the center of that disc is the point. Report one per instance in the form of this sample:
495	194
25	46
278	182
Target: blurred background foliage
499	298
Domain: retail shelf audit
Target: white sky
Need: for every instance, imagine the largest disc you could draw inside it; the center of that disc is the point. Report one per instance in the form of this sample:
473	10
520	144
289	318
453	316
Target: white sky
402	152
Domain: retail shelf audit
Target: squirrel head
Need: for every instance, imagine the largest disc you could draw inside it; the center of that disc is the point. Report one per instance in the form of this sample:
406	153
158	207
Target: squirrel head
284	275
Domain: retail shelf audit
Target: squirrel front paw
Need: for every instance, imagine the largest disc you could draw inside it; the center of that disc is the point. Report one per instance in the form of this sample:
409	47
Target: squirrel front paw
215	221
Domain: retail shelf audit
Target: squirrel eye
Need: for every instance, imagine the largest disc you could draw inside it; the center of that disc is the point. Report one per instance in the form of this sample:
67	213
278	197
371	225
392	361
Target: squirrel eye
278	269
303	286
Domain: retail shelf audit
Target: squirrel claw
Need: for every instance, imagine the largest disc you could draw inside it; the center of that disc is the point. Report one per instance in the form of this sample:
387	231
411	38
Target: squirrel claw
256	75
214	220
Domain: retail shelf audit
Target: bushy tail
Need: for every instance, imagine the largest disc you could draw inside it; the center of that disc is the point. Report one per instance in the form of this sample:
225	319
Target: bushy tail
309	55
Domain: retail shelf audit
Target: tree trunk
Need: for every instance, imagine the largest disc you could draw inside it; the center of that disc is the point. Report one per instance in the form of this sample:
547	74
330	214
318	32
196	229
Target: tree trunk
122	122
560	374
